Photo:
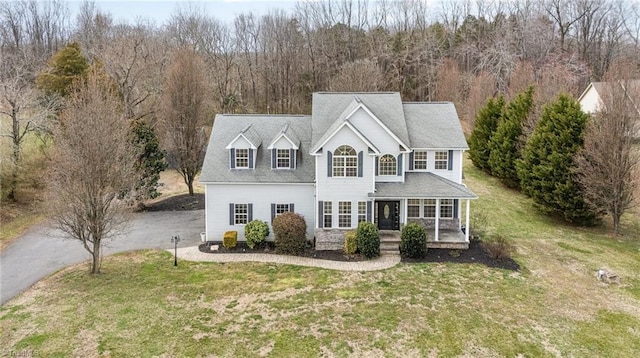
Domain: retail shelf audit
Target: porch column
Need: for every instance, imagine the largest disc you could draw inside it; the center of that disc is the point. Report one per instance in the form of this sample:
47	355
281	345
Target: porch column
466	225
437	218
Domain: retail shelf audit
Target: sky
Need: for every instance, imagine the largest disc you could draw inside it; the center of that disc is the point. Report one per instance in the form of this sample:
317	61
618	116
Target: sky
161	10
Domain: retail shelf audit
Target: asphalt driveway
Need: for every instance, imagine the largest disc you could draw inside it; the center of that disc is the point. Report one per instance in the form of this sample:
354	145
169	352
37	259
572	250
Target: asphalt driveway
41	251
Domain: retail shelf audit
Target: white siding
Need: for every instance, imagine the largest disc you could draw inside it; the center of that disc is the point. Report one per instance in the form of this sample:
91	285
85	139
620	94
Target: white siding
454	175
283	143
379	136
241	143
219	196
590	102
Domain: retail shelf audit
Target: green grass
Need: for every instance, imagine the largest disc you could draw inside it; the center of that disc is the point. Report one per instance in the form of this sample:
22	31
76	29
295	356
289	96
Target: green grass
143	306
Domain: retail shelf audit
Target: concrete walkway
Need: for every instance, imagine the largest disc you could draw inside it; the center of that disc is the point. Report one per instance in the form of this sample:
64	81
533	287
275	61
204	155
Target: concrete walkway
381	263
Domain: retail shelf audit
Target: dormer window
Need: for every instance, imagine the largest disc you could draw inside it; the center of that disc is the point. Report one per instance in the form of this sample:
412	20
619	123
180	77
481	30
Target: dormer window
242	158
283	158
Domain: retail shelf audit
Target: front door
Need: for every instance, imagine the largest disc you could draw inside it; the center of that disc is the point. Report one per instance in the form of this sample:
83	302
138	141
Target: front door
388	215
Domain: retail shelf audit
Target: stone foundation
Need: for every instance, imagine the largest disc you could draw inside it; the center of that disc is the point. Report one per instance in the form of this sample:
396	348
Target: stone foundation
330	239
445	224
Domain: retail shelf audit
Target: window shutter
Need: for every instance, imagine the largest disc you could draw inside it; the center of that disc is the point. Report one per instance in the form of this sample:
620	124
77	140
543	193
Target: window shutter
377	160
250	212
411	161
231	214
251	158
369	204
455	208
291	208
232	156
400	157
292	158
274	159
450	165
320	214
360	157
329	164
273	212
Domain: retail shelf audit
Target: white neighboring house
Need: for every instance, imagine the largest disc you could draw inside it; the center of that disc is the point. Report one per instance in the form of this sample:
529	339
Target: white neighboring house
357	157
591	99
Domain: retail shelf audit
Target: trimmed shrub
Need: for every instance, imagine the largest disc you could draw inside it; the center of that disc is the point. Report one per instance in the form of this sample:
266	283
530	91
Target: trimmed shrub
499	247
230	239
255	232
350	242
290	232
413	241
368	239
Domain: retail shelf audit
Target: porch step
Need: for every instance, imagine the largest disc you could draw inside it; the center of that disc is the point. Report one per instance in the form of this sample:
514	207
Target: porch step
390	242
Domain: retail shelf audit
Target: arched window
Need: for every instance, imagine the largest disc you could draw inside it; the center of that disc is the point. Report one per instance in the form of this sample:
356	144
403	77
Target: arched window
387	165
345	162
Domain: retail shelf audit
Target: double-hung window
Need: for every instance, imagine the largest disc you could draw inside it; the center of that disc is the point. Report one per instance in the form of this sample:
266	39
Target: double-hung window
241	214
429	208
328	214
446	208
345	162
362	211
281	209
242	158
420	160
283	158
442	160
413	208
344	214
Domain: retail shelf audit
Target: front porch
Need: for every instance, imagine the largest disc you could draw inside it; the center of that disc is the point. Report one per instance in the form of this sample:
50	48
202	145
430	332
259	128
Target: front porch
448	239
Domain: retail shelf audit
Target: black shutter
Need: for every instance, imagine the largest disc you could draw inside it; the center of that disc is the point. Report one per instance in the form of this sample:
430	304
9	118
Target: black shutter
250	212
360	158
291	208
231	214
250	158
329	164
411	161
400	163
273	212
232	156
455	208
292	158
274	158
369	204
320	214
450	164
377	160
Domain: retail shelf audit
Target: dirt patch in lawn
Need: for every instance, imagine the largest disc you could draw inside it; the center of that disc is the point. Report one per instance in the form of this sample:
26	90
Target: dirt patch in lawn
178	203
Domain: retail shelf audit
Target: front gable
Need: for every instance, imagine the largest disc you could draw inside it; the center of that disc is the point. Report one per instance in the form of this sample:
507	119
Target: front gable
362	118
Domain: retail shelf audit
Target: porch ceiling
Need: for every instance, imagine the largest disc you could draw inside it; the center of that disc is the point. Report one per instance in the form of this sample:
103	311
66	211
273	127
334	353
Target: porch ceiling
423	185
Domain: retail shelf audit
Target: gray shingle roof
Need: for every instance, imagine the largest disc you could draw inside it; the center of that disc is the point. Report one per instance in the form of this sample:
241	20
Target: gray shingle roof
289	133
327	107
267	127
423	185
434	125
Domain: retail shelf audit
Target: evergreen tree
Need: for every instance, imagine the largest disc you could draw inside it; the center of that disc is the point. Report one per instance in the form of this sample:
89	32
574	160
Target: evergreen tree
150	163
487	121
548	169
506	143
66	66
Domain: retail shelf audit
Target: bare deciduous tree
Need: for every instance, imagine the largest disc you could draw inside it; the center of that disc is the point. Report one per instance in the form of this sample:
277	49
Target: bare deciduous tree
92	166
608	164
185	113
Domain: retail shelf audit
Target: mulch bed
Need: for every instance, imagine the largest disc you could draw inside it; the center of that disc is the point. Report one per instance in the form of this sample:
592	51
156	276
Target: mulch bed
475	254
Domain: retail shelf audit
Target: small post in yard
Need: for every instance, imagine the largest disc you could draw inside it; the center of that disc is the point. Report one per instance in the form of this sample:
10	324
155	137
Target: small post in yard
175	240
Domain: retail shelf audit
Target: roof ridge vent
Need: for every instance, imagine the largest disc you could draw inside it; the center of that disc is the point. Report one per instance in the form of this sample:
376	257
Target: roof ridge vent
357	99
245	129
285	128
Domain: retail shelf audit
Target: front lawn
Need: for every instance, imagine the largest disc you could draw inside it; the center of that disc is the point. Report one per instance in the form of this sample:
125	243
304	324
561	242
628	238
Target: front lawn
555	306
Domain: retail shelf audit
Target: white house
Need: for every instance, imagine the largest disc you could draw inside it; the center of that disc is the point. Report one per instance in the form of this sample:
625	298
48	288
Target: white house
594	96
357	157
